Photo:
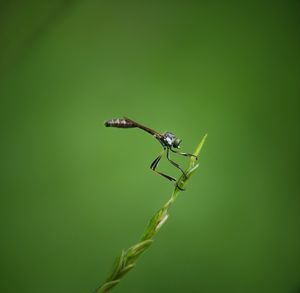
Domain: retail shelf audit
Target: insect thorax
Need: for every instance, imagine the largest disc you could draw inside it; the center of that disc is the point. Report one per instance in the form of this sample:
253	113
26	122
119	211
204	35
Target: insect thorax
170	140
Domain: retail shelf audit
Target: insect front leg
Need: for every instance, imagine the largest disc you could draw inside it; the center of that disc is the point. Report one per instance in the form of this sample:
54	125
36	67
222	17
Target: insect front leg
184	154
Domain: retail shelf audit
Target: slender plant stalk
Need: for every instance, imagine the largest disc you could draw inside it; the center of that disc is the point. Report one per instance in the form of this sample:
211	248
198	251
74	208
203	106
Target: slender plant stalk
127	259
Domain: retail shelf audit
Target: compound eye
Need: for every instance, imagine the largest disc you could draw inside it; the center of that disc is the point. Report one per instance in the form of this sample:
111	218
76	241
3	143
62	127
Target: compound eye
176	143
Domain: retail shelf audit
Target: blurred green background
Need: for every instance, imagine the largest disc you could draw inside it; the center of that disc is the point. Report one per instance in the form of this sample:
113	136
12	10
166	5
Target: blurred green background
74	193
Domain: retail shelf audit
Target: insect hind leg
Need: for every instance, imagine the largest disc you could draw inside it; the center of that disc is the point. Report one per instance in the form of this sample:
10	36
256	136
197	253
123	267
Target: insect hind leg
153	167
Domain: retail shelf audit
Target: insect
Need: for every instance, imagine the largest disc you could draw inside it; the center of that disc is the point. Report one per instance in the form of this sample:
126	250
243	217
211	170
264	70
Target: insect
167	139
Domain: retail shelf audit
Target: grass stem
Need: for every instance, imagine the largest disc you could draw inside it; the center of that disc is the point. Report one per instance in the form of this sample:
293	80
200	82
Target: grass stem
127	259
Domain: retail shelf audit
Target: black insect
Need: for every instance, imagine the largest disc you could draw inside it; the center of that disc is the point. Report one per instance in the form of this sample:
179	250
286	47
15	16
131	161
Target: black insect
168	141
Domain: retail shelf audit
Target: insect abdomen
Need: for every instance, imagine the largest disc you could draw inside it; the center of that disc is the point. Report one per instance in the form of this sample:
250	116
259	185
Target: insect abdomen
119	123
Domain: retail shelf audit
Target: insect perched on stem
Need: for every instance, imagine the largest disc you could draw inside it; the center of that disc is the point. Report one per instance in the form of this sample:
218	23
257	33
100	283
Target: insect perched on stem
167	139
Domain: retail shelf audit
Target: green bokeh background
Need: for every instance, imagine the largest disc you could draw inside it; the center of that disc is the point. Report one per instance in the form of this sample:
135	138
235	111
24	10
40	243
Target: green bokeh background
74	193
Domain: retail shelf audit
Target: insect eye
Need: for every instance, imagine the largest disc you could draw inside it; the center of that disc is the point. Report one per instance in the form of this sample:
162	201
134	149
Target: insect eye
176	143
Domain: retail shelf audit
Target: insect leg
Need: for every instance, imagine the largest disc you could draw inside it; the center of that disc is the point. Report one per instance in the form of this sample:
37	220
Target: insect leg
174	163
153	167
184	154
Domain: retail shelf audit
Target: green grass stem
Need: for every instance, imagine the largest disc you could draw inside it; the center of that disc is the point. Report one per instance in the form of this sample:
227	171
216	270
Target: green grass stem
127	259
